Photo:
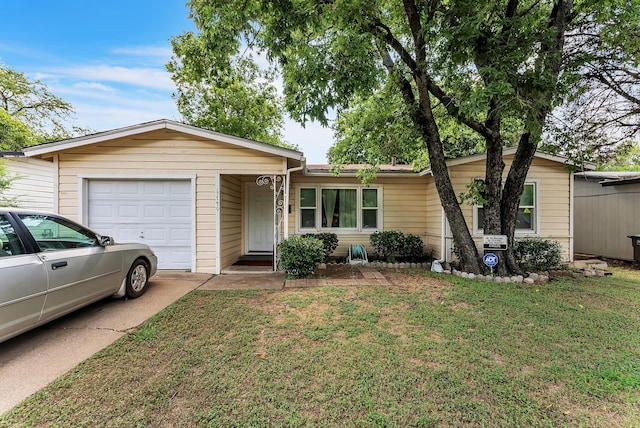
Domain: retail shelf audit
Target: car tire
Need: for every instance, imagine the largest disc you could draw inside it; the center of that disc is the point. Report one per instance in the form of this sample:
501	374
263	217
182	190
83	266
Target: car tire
137	279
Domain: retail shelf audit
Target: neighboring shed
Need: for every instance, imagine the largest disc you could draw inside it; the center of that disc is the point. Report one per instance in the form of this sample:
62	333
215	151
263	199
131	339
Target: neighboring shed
33	187
607	210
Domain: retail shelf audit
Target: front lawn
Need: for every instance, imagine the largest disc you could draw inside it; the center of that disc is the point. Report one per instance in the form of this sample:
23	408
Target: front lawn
428	351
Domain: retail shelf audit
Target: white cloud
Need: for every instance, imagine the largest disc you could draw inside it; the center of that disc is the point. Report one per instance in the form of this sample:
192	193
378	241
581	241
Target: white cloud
145	51
156	78
93	86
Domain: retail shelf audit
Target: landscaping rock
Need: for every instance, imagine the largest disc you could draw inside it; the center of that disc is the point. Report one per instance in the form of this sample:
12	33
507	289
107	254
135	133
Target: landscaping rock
529	281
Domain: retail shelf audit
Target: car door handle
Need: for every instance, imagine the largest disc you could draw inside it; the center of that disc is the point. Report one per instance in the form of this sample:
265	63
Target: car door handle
58	265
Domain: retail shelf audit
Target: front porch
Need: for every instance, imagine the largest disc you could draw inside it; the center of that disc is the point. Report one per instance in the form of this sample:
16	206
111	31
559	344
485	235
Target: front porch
251	222
251	264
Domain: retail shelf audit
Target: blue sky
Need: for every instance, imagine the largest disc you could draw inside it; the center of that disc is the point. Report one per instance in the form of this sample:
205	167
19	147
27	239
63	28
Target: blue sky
107	58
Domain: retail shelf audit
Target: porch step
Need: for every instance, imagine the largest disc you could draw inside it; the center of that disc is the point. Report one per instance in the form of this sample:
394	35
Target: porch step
247	270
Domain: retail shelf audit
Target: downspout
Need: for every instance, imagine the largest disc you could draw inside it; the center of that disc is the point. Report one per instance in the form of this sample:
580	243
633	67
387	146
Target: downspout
571	214
443	239
287	189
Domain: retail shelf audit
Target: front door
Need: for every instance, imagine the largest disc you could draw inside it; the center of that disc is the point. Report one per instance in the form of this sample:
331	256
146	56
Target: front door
260	219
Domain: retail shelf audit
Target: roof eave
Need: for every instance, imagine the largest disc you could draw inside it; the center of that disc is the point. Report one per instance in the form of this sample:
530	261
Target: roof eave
317	173
157	125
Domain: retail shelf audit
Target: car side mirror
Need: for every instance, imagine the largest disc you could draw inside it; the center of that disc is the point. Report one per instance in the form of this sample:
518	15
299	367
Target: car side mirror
105	241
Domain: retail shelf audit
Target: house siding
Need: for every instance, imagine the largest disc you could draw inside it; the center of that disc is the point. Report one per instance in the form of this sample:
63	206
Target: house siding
170	154
553	201
33	188
433	241
231	219
404	203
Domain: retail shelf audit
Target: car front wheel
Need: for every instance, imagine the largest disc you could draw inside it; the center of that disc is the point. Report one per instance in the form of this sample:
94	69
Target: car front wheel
137	279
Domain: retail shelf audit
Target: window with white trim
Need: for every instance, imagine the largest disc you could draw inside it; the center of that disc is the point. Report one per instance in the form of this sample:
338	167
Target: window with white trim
339	208
527	219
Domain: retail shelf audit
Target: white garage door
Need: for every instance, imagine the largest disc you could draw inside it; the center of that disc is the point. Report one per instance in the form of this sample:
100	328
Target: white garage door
155	212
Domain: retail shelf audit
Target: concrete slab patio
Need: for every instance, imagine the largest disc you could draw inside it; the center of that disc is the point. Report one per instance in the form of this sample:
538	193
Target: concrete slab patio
266	281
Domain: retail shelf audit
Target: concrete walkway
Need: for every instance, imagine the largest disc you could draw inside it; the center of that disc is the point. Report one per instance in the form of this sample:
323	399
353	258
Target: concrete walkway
34	359
277	280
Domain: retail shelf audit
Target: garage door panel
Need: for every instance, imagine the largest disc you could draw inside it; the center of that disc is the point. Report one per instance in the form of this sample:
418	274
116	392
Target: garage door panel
175	258
155	212
103	212
180	211
154	188
128	211
180	235
129	188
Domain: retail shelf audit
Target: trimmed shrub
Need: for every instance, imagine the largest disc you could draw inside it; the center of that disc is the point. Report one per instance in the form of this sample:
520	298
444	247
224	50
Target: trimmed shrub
300	256
387	243
329	242
412	248
537	255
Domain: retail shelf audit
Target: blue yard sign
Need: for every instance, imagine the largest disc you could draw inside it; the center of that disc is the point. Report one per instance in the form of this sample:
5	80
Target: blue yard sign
490	259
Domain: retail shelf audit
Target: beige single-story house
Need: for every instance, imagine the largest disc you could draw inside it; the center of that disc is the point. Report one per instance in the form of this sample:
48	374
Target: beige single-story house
202	199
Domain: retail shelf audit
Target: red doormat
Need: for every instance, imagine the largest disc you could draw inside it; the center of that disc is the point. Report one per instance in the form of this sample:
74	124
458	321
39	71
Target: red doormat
254	263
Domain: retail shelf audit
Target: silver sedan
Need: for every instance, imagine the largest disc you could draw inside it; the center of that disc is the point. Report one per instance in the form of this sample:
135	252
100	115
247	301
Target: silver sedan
50	266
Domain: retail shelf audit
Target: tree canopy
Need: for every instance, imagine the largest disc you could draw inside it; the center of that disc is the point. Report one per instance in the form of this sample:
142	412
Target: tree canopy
29	113
497	68
233	95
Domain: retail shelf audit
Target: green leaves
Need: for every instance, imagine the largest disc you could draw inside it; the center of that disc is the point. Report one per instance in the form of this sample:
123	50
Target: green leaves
301	256
29	113
223	81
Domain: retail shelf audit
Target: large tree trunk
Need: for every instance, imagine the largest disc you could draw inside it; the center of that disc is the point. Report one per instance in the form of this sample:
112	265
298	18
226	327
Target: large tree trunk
494	168
465	246
514	185
422	116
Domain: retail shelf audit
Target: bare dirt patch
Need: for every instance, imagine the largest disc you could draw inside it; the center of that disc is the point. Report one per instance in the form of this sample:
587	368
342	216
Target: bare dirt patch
338	271
411	282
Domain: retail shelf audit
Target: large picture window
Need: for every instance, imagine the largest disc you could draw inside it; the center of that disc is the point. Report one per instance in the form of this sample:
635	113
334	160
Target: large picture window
353	209
527	211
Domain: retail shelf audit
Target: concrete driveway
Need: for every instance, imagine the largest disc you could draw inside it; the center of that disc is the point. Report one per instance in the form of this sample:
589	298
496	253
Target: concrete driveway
32	360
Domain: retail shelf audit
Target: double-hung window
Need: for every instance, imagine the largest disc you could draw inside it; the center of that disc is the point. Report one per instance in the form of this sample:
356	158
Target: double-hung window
339	208
527	219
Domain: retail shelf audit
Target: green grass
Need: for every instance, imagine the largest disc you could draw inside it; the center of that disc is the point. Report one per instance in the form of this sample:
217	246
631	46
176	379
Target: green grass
429	351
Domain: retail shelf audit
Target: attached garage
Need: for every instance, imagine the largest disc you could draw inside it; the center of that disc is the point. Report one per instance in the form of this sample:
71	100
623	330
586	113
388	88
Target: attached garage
158	212
180	189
